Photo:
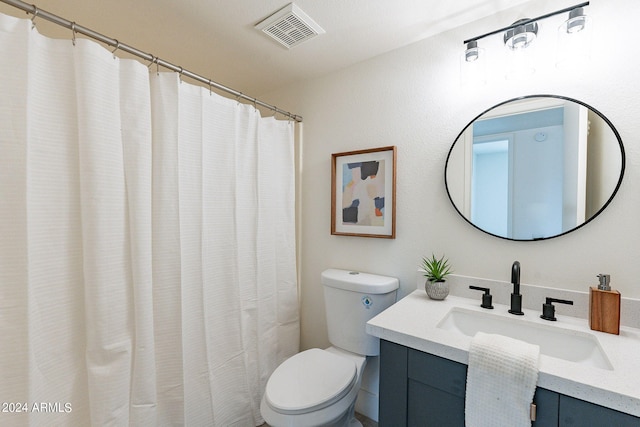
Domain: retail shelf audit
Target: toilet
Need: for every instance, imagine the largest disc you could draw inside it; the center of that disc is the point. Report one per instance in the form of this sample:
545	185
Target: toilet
319	387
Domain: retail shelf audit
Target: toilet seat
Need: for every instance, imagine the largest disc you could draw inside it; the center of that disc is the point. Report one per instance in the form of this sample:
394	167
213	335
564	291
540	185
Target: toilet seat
310	381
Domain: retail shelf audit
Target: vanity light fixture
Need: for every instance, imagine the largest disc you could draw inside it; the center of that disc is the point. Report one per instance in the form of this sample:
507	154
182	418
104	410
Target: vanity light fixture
523	32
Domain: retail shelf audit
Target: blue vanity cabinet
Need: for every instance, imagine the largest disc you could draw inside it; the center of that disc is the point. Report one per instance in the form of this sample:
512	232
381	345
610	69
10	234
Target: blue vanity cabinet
421	390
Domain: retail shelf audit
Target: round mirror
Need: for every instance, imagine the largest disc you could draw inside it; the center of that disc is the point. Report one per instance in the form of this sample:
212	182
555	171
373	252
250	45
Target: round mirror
535	167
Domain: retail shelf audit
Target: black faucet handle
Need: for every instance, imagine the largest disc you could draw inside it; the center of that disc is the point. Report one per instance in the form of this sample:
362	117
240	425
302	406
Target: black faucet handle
549	310
486	297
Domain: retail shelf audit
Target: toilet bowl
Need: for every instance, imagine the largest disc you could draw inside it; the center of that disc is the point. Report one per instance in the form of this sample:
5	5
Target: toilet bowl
314	388
319	387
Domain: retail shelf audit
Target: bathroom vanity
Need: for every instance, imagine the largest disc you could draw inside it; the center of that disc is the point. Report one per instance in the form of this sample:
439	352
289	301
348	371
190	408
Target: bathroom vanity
420	389
423	365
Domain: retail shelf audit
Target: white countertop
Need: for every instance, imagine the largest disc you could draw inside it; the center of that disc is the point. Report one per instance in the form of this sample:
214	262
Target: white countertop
412	322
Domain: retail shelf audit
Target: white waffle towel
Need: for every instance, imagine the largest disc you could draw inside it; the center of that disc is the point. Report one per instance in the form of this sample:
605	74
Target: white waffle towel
501	381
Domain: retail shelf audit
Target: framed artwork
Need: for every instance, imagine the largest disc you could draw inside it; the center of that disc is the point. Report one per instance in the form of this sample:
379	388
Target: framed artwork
363	193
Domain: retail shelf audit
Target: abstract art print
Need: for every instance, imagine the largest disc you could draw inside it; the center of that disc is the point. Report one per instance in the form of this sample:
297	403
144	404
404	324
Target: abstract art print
363	187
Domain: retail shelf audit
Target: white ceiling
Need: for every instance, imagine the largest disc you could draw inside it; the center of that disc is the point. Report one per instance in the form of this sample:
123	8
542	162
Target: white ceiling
217	39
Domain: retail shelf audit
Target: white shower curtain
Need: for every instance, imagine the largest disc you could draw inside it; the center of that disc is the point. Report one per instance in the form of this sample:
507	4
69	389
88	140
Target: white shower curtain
147	248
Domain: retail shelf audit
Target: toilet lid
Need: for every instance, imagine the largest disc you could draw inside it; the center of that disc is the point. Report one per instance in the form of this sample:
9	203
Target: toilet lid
309	381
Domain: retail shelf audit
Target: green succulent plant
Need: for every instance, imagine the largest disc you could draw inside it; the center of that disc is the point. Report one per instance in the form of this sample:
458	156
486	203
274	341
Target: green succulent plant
436	269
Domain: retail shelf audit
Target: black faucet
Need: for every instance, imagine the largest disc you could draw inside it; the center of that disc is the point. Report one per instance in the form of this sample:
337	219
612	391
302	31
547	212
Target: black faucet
516	298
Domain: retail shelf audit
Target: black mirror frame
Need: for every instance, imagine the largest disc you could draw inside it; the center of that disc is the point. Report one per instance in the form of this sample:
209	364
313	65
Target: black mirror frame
602	116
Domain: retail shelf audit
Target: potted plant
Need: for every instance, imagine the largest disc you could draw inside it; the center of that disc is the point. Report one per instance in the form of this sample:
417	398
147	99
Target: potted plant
436	270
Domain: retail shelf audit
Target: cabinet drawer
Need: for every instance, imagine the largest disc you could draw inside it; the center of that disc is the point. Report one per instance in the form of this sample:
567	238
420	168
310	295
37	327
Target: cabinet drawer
443	374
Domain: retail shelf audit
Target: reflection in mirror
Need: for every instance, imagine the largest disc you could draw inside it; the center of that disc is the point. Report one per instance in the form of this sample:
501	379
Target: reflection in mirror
535	167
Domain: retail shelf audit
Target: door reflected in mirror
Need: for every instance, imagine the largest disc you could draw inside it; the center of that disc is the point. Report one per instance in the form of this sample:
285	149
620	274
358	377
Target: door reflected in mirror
535	167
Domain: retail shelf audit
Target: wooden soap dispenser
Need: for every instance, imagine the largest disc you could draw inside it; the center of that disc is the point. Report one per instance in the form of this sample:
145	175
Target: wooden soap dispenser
604	307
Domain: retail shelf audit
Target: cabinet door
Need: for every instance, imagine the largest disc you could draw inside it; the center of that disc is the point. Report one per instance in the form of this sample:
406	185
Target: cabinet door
547	407
436	391
393	385
578	413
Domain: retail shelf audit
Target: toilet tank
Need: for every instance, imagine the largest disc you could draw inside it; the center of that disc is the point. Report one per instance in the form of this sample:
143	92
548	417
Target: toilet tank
351	299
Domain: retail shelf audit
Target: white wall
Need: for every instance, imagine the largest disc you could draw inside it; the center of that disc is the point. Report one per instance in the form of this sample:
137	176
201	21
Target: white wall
412	98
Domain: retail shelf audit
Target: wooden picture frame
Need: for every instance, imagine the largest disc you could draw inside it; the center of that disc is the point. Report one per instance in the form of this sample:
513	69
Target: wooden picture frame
363	193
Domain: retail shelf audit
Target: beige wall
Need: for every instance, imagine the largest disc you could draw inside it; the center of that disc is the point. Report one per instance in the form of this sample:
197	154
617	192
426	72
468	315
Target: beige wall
412	98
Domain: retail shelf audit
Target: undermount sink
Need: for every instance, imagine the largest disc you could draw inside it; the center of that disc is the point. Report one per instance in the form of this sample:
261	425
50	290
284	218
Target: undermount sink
571	345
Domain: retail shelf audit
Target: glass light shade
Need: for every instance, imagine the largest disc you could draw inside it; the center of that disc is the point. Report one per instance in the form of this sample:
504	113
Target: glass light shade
472	53
474	72
520	64
520	41
577	21
521	36
576	24
574	42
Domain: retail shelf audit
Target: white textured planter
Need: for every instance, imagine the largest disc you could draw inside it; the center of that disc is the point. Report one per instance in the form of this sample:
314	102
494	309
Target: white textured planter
437	290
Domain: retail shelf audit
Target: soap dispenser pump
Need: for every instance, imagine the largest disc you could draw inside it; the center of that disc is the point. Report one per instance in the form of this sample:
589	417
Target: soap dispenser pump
604	279
604	306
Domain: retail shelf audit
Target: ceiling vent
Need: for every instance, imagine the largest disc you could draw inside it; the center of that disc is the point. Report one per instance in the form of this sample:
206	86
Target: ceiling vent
290	26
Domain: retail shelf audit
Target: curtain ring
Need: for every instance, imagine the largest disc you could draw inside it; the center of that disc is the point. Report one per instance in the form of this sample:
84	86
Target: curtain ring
73	33
35	15
238	98
154	60
113	52
210	84
181	70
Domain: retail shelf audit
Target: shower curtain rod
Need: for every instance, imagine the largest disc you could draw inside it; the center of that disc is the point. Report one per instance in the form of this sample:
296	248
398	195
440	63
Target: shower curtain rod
75	28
